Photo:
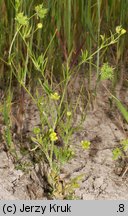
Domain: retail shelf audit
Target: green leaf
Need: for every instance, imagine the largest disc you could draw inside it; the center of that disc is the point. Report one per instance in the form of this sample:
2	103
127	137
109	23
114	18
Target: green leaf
47	88
21	19
36	130
125	144
17	4
116	153
107	72
102	38
41	12
84	55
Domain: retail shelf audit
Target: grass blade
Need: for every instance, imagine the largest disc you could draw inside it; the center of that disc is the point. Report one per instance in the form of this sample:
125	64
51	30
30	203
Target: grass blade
121	108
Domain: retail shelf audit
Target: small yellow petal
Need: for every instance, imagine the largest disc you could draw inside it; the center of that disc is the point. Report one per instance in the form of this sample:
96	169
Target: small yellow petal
123	31
69	114
39	25
85	144
55	96
53	136
118	29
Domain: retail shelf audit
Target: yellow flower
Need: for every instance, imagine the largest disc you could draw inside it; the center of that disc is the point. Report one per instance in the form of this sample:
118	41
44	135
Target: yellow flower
69	113
85	144
120	30
53	136
39	25
123	31
55	96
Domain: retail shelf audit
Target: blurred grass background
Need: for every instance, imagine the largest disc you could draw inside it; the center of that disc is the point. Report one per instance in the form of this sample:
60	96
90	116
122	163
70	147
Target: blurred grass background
76	25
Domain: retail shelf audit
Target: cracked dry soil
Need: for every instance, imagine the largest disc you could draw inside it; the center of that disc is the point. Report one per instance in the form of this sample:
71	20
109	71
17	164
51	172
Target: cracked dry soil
103	178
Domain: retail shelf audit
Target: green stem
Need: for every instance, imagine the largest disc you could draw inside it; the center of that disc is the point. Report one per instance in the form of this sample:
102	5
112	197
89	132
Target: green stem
10	49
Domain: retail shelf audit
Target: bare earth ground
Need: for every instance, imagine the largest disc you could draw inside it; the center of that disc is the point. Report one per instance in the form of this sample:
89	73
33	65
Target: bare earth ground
103	178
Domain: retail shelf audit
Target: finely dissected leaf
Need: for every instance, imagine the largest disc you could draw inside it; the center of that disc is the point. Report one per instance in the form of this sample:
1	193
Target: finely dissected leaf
121	108
36	130
21	19
46	87
125	144
107	72
84	55
116	153
41	12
